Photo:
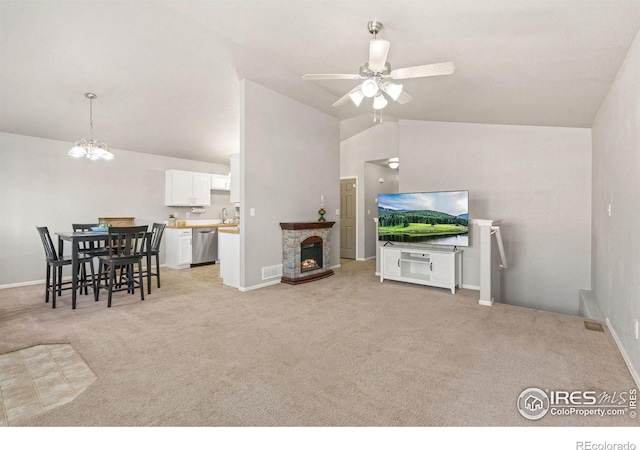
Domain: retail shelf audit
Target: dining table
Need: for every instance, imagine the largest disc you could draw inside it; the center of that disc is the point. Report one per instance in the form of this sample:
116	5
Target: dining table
75	237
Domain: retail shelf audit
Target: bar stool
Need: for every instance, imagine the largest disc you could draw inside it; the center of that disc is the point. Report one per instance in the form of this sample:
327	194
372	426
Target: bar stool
55	261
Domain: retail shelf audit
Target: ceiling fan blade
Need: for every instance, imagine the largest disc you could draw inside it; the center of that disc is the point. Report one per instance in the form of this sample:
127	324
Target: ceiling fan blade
404	98
345	98
429	70
331	76
378	51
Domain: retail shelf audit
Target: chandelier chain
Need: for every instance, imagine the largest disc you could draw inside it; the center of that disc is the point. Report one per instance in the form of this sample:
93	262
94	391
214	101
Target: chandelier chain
91	119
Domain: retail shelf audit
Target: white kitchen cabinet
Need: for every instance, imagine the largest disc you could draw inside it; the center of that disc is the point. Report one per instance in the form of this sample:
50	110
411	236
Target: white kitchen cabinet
229	252
234	163
220	182
183	188
178	248
429	267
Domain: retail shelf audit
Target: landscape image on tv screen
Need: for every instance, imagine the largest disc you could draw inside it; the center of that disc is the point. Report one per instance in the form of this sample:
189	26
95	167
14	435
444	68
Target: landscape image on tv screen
435	218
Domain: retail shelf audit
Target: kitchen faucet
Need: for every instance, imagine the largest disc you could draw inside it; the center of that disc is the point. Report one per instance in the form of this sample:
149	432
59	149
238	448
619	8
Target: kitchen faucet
223	213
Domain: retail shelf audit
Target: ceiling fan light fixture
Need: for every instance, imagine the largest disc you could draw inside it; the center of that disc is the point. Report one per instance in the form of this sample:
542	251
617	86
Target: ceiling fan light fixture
379	102
394	90
356	97
369	88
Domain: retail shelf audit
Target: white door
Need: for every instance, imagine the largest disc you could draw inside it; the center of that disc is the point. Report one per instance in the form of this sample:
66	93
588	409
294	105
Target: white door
201	189
442	267
391	261
185	250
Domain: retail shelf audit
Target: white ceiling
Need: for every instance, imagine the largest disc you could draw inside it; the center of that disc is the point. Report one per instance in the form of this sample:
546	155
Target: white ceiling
166	73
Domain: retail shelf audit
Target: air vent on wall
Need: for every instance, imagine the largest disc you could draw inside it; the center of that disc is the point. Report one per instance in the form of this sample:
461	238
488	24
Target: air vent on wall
271	272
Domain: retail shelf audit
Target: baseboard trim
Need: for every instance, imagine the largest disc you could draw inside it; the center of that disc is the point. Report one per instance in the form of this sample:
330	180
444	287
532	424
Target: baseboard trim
259	286
470	286
625	356
486	302
24	283
34	282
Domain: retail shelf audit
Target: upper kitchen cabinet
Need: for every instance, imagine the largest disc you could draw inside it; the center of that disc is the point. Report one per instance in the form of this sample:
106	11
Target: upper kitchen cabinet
184	188
220	182
234	162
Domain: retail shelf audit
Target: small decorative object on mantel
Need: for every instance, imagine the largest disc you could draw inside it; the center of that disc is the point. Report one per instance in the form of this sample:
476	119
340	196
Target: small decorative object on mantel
321	211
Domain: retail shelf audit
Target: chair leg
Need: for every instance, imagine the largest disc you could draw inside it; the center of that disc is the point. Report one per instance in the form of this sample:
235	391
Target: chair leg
112	280
59	278
140	279
158	268
84	278
131	287
47	284
55	287
98	281
93	279
148	263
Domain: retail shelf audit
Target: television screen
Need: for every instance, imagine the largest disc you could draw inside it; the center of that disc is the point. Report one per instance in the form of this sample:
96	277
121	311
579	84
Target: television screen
434	218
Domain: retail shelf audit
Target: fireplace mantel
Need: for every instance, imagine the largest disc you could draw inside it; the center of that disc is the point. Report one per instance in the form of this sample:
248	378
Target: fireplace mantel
305	225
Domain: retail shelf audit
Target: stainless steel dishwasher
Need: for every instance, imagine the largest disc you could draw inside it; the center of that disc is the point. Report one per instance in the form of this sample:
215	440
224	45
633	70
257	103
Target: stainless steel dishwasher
204	247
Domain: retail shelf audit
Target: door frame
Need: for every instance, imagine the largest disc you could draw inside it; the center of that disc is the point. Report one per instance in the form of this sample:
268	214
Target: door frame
357	211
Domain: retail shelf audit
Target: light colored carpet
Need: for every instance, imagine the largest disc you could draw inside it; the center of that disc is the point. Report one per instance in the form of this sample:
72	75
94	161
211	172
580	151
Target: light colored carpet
343	351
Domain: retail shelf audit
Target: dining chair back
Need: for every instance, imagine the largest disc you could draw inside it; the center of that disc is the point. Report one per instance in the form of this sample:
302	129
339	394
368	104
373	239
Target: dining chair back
153	250
126	246
47	243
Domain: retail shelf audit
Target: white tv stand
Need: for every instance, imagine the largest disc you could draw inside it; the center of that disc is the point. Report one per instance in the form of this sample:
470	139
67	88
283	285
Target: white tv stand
421	265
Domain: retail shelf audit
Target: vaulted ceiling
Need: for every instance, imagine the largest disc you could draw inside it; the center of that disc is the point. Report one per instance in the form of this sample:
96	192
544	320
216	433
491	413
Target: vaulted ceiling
166	73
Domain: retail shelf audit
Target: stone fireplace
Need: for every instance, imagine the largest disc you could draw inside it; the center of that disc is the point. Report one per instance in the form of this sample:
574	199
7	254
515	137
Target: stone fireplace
306	251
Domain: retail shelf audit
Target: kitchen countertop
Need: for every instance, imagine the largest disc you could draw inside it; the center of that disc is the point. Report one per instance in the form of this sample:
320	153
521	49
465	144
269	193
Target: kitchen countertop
213	225
234	230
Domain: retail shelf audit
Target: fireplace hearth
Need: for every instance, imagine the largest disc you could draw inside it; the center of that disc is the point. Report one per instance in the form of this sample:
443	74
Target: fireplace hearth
305	251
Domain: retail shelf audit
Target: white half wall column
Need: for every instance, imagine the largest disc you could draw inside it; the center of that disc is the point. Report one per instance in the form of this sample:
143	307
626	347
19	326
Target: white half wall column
489	263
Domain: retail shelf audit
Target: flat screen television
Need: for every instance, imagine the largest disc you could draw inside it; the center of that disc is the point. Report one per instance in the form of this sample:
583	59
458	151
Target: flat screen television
433	218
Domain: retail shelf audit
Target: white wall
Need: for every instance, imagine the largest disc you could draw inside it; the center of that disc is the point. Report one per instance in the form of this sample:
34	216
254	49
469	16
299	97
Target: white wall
372	187
536	179
289	157
378	142
615	258
41	186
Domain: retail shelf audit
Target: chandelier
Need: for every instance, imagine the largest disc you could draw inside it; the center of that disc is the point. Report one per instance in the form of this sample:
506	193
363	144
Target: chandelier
92	149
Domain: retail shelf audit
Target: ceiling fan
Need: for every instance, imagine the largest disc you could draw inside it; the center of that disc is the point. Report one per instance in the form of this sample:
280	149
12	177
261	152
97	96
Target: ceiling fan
378	76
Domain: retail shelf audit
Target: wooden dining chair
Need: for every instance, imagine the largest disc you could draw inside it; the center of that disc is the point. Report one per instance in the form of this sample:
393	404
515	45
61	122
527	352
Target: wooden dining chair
126	246
91	248
54	283
153	250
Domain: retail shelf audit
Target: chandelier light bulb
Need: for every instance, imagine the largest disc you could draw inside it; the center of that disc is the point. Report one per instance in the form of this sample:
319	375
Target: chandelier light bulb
369	88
